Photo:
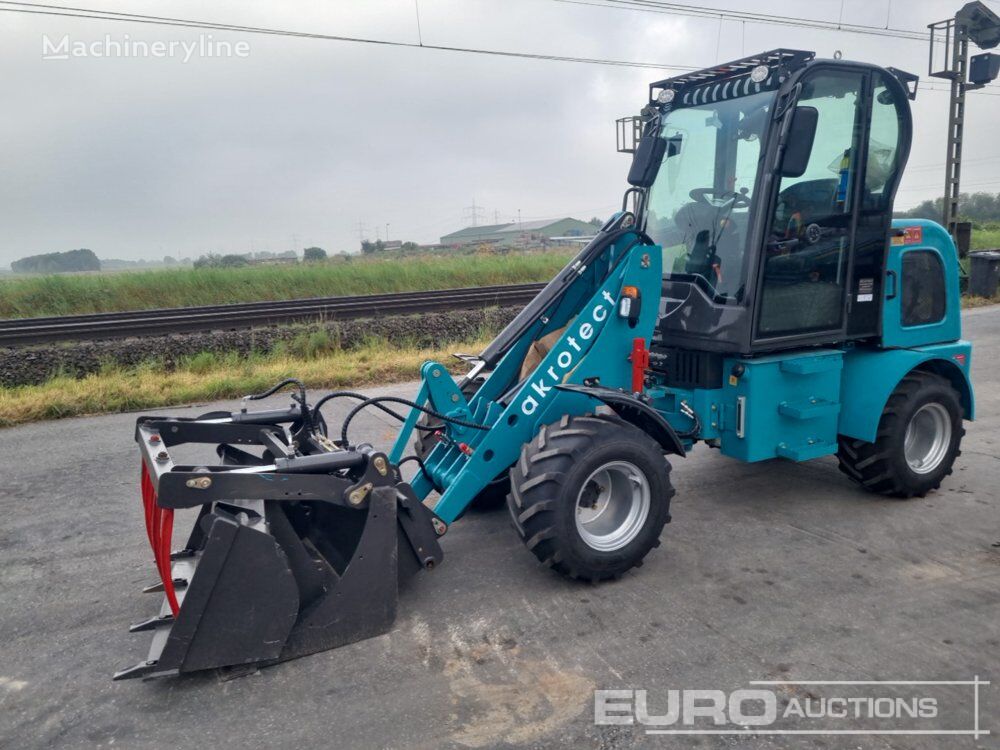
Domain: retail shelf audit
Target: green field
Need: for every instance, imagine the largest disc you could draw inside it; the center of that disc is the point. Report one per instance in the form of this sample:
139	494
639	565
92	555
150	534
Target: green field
69	294
986	239
25	296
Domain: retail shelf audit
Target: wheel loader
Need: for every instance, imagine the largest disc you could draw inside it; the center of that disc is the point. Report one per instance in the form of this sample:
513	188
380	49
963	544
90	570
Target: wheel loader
753	294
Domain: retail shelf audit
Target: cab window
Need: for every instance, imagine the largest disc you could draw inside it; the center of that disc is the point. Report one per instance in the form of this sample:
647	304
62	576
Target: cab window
885	140
805	262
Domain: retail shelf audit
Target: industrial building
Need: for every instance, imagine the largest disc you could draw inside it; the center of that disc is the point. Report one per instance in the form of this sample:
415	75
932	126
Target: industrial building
520	234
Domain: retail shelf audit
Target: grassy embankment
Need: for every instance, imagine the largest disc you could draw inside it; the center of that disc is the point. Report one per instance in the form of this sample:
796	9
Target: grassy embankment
314	358
139	290
207	377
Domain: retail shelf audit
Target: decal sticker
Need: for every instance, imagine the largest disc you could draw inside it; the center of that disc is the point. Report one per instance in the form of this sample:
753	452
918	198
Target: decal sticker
913	235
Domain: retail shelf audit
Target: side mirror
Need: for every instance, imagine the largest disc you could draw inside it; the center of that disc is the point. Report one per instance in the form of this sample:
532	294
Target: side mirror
646	161
799	142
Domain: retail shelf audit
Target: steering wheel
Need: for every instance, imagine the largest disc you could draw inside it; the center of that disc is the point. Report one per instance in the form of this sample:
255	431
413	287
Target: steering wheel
700	195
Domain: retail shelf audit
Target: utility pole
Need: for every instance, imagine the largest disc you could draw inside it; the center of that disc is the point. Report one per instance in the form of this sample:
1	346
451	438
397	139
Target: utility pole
980	25
387	231
361	231
473	212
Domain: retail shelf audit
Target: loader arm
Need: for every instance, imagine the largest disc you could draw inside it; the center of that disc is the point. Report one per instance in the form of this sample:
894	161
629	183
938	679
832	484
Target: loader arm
594	347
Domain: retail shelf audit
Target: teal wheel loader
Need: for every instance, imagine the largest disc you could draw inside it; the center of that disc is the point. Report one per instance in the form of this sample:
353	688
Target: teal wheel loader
753	294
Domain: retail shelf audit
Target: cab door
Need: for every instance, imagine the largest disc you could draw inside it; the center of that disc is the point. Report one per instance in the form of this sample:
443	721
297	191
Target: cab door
888	144
806	263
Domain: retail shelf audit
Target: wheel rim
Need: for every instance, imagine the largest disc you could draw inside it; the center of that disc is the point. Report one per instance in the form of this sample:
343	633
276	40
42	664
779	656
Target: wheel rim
612	506
928	436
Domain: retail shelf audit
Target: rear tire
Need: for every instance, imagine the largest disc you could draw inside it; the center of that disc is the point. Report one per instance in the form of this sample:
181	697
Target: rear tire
590	496
917	441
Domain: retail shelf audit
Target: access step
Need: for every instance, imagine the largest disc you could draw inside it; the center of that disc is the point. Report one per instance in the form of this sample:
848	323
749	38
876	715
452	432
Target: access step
810	408
806	451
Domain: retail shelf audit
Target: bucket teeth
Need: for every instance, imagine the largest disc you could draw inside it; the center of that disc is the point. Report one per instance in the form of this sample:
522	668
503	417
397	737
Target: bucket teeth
157	588
142	669
151	624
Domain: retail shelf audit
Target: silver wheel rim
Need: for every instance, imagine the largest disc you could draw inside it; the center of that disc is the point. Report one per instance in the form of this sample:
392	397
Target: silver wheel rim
928	436
612	506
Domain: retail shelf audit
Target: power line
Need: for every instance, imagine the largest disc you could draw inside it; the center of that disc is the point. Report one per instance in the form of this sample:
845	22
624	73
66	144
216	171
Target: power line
93	14
670	8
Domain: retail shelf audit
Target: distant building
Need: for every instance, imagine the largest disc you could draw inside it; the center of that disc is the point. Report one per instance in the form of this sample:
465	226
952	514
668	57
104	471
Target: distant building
520	234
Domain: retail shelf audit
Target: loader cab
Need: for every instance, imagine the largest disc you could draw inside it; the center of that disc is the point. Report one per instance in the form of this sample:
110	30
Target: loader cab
773	201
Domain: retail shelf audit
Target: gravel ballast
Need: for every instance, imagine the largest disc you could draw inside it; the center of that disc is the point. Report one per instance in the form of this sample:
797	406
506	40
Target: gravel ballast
36	364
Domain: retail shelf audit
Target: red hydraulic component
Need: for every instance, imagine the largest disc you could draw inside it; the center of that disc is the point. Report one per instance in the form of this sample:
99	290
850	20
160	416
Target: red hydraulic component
159	529
640	363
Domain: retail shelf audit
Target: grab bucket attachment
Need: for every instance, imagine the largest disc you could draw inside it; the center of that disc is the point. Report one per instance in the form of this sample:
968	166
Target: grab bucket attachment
290	554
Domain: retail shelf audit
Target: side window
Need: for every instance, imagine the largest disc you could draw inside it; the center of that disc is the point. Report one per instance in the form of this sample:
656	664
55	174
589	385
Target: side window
806	256
883	144
888	113
923	297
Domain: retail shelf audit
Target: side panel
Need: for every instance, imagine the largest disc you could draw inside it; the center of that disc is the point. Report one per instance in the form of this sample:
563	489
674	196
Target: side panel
904	296
781	406
871	375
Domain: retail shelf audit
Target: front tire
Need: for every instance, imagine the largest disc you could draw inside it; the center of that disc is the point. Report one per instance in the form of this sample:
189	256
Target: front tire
590	496
917	441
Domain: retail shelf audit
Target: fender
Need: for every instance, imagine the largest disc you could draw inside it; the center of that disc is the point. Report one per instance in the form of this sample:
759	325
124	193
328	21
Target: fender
870	376
635	412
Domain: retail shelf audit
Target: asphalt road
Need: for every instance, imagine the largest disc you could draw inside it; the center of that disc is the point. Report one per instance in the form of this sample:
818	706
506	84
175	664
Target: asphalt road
773	571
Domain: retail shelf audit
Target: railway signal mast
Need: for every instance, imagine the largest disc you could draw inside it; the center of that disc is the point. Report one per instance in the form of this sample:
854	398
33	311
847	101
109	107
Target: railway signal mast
978	24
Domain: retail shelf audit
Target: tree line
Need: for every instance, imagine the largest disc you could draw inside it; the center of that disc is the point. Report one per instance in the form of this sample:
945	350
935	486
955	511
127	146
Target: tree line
979	208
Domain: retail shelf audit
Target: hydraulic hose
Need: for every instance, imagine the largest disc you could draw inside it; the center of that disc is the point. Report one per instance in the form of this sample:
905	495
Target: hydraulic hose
377	400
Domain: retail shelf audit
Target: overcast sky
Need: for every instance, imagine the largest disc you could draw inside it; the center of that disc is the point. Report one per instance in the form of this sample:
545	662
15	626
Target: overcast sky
300	140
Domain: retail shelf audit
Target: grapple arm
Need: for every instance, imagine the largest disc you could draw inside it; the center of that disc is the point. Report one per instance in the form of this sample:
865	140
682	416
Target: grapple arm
296	550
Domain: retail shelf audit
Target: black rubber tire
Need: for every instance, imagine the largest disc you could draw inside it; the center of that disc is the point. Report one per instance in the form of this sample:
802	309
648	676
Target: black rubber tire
545	485
493	495
881	466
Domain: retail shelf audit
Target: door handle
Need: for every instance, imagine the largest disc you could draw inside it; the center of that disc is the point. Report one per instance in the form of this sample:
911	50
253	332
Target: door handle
891	275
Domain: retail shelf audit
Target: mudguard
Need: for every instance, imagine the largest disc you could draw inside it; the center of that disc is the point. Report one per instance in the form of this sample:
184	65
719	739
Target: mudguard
633	411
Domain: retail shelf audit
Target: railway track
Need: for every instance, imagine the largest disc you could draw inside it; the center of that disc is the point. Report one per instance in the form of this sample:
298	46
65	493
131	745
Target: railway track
24	331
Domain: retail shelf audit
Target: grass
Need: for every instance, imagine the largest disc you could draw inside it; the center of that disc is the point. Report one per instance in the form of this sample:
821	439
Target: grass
968	301
985	239
111	292
209	377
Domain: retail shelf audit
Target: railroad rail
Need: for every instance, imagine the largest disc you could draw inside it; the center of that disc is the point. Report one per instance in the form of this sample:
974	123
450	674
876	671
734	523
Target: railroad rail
25	331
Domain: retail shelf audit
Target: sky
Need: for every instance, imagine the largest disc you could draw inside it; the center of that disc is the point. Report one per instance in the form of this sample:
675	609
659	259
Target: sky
302	142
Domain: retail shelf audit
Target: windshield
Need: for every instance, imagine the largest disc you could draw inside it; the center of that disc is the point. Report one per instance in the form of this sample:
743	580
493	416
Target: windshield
698	208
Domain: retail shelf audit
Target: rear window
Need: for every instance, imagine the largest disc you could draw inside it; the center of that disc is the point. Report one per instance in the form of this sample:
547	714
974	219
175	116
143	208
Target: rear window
923	288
